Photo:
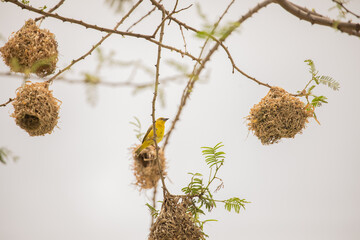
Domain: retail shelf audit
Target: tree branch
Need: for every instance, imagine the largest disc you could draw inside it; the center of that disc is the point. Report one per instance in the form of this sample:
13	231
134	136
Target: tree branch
315	18
79	22
126	83
157	74
9	101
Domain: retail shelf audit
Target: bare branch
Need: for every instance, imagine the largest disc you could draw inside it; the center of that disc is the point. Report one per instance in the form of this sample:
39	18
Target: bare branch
127	83
157	74
174	49
315	18
240	71
9	101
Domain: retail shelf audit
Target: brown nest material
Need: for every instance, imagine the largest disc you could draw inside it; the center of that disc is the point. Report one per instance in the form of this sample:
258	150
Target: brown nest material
278	115
175	222
31	50
36	110
145	168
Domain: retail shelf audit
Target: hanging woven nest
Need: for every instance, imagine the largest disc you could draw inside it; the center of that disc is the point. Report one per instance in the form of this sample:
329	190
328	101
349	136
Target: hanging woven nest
36	110
31	50
146	169
175	222
278	115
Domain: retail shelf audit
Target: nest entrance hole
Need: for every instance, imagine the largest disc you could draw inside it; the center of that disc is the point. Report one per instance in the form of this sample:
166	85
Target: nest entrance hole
30	122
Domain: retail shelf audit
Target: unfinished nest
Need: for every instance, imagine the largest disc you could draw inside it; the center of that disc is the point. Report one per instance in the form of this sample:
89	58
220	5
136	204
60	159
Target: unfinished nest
36	110
145	168
278	115
175	222
31	50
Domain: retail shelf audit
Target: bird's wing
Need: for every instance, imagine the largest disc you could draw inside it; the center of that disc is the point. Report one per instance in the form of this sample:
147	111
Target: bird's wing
147	133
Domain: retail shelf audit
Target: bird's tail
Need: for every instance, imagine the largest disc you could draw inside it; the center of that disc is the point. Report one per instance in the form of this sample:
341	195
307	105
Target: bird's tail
138	151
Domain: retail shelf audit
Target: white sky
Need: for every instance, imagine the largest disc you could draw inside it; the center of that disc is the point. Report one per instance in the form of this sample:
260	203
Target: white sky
77	184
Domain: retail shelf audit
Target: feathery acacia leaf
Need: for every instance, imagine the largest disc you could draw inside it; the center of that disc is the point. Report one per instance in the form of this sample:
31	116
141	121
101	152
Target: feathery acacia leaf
330	82
235	204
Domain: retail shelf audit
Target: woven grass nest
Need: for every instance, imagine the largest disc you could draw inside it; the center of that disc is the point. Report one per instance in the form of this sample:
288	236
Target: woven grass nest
36	110
278	115
145	168
31	50
174	222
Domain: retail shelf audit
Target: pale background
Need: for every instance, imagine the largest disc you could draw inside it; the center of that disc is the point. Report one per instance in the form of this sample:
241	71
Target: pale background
77	184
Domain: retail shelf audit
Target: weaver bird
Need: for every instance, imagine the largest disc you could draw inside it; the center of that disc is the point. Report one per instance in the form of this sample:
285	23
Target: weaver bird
149	135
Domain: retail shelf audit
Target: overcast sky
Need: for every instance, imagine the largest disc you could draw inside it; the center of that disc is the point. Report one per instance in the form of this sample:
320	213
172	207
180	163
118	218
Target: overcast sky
77	182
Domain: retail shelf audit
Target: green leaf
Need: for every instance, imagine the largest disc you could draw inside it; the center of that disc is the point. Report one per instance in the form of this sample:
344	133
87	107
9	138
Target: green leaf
201	14
330	82
311	88
154	213
2	156
235	204
202	34
91	79
225	31
312	67
212	156
318	100
195	174
316	79
6	154
179	66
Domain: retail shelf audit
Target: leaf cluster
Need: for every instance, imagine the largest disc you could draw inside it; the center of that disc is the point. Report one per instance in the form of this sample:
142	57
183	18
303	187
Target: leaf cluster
200	192
313	100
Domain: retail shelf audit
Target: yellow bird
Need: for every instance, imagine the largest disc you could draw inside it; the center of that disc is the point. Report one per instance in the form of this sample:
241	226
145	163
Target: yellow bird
149	135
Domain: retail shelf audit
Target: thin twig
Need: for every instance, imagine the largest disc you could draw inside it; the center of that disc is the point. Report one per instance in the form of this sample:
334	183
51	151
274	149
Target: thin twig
127	83
346	9
9	101
174	49
169	17
157	74
142	18
96	45
153	203
183	37
240	71
51	10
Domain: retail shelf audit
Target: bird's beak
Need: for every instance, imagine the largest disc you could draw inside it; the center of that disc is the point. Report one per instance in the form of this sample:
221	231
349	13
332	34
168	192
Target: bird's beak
165	119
